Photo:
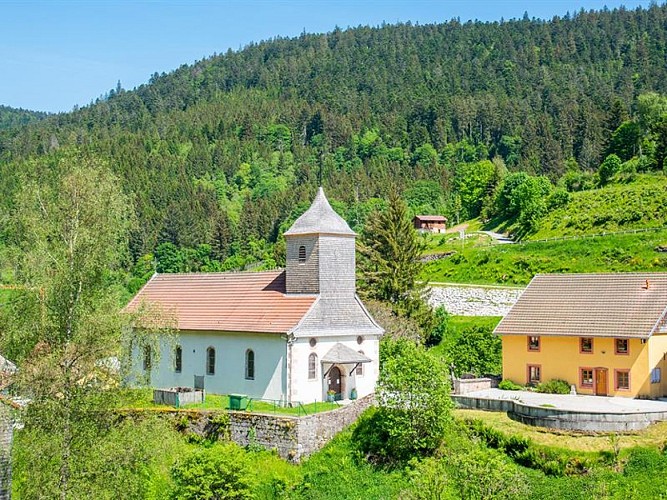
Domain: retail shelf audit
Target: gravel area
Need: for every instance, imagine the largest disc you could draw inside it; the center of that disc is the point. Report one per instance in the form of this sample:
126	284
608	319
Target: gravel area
474	301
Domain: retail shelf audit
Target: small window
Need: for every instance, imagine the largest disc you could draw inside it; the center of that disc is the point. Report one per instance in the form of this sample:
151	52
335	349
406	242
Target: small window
178	359
533	343
534	374
148	362
622	380
586	377
360	367
622	346
313	342
586	345
210	361
656	375
312	366
360	340
249	365
302	254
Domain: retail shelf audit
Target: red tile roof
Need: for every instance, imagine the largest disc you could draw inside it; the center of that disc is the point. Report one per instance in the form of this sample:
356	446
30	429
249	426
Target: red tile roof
590	305
431	218
233	302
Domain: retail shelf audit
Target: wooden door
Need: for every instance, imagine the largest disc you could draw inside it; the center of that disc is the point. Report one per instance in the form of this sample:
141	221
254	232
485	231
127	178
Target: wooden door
601	388
333	380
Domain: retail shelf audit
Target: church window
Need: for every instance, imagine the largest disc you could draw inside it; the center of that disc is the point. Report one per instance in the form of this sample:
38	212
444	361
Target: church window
313	342
178	359
360	367
360	340
302	254
210	361
312	366
250	365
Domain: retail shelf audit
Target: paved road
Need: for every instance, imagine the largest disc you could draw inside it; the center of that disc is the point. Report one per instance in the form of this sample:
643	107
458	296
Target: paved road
500	238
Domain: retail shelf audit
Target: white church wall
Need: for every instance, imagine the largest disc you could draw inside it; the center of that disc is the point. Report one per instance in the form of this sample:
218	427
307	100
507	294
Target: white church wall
230	349
308	391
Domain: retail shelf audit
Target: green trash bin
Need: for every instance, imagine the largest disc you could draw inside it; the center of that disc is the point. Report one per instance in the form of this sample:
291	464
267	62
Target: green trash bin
238	401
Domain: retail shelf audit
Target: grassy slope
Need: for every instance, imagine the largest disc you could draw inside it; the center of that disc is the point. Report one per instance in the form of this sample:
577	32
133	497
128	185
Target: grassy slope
517	264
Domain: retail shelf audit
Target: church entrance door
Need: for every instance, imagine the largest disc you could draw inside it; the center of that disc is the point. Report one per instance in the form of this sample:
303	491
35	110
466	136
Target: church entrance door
333	380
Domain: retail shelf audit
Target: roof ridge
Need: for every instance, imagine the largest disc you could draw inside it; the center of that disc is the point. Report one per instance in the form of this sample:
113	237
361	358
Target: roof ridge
220	273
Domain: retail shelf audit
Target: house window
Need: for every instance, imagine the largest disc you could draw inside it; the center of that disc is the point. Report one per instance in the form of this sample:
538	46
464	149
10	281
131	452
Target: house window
534	374
312	366
622	346
586	377
586	345
302	254
622	380
249	365
533	343
360	367
655	375
178	359
210	361
148	363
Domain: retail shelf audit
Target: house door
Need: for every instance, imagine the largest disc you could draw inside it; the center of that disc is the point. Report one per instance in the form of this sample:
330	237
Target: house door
333	381
601	388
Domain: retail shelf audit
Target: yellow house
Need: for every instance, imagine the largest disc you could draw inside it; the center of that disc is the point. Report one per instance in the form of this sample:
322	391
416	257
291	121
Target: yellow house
606	334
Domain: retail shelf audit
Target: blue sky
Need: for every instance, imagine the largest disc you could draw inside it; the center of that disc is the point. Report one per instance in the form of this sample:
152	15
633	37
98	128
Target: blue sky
56	54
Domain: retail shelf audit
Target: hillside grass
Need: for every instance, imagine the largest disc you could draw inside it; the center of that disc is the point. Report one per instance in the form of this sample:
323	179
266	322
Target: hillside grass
640	204
517	264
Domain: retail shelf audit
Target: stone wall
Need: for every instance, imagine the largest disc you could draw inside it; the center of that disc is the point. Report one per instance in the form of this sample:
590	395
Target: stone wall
294	438
466	385
474	301
6	432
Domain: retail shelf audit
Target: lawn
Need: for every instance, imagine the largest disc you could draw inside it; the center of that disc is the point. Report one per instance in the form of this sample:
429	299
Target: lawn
517	264
654	435
143	399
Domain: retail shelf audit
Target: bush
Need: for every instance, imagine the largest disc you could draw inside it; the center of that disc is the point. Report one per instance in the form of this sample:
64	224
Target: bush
554	386
476	350
508	385
218	472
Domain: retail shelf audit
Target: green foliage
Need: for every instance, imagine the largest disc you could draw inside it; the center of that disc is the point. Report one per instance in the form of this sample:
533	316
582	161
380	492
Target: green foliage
473	183
508	385
476	350
609	168
554	386
413	406
221	471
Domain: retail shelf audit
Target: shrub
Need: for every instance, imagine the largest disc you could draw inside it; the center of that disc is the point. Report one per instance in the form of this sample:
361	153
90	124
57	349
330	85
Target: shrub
508	385
218	472
476	350
554	386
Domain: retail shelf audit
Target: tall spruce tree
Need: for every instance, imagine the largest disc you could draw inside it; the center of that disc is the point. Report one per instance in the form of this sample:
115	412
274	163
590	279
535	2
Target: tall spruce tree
389	251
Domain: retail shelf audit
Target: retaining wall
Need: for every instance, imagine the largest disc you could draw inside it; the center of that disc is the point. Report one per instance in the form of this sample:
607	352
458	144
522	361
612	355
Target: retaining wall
294	437
563	419
6	434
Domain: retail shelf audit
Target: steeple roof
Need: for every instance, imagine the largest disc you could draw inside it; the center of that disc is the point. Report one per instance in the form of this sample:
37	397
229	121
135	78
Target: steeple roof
320	218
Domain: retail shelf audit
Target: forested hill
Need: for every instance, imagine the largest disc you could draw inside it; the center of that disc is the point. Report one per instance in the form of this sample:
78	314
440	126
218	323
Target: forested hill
221	151
13	117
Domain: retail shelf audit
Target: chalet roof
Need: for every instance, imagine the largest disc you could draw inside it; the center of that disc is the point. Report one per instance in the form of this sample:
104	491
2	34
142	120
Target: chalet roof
590	305
320	218
342	354
431	218
233	302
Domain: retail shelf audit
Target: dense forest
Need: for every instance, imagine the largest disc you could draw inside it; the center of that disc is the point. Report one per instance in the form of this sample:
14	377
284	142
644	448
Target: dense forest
12	117
220	155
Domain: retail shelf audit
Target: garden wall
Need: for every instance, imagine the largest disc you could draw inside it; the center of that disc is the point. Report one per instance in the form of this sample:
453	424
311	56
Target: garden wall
6	434
294	437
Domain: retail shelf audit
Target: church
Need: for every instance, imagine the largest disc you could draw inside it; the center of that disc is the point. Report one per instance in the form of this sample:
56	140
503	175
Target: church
293	335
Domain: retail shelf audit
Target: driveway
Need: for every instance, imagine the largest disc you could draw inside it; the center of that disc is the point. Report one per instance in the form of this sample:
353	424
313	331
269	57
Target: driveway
576	403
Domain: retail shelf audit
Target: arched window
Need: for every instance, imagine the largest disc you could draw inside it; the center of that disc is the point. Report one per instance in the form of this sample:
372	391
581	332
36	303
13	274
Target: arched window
249	365
302	254
210	361
178	359
312	366
148	363
360	367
